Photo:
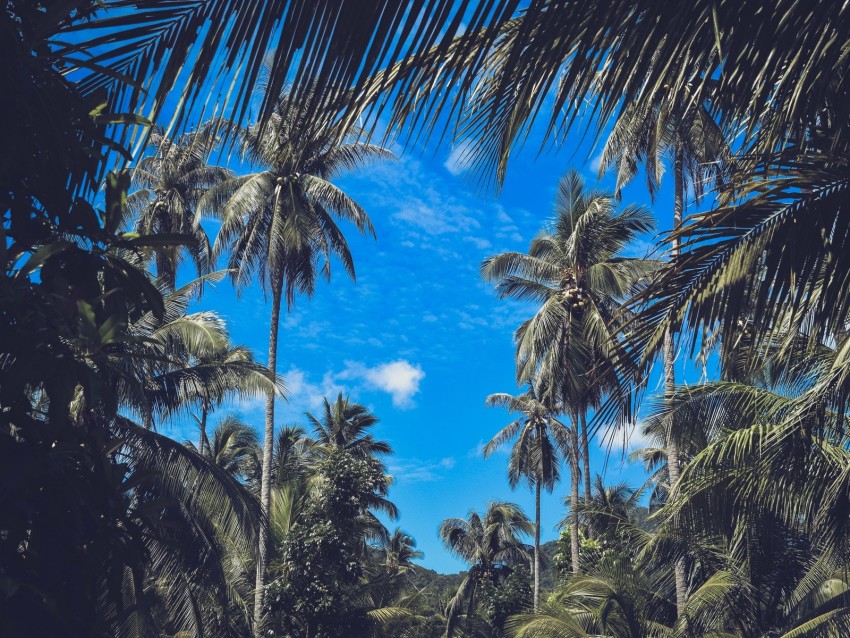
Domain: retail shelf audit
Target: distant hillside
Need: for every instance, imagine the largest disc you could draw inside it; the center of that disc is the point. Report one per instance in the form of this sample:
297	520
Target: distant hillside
441	587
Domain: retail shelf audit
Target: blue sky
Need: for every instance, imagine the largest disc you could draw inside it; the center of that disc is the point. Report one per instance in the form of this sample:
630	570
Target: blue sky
420	338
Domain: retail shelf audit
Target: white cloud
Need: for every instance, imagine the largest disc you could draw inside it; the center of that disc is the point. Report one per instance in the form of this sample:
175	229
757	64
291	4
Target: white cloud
458	159
437	218
479	242
305	395
400	379
419	470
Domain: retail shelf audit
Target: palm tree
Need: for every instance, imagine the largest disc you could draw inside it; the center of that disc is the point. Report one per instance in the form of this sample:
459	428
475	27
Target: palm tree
489	544
237	361
169	183
399	551
575	271
281	223
293	455
344	425
618	600
535	456
756	503
673	126
611	509
178	361
234	448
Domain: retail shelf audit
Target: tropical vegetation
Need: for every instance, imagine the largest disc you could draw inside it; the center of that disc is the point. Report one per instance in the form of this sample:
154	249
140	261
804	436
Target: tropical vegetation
134	128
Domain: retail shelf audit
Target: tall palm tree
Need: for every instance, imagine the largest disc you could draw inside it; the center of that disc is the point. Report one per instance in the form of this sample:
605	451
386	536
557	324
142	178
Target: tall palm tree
674	127
535	455
169	183
576	272
281	224
489	544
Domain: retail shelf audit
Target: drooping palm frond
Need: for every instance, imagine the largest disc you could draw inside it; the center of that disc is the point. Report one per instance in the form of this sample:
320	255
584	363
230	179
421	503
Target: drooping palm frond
137	51
235	448
187	502
179	362
558	56
551	621
769	266
675	128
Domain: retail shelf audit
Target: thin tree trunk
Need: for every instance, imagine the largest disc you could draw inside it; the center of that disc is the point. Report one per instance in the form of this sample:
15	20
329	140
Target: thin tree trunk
536	544
265	480
585	452
147	417
574	490
204	443
164	257
673	469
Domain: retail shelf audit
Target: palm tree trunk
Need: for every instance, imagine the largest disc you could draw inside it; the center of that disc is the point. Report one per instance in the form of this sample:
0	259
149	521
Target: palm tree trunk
165	270
147	417
204	443
670	376
536	544
574	489
585	452
265	480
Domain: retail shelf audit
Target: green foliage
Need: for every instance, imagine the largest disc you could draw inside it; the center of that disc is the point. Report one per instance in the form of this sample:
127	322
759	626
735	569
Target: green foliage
110	529
320	565
511	596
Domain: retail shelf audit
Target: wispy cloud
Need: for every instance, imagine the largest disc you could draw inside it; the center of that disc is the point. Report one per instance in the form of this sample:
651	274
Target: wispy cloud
641	248
436	220
419	470
595	162
458	159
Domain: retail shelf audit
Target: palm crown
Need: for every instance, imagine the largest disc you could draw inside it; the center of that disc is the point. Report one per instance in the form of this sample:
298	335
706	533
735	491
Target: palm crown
170	182
281	222
576	272
489	544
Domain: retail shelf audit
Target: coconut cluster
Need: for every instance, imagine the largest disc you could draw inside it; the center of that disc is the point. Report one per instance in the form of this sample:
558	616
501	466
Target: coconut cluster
575	297
572	293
